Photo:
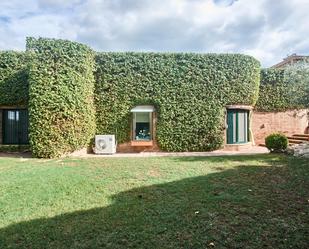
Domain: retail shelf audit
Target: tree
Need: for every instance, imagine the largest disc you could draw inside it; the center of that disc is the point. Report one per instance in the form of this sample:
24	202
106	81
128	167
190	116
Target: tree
297	78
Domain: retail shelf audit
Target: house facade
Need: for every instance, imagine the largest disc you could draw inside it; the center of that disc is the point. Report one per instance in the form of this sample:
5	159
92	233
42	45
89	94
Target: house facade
290	60
58	94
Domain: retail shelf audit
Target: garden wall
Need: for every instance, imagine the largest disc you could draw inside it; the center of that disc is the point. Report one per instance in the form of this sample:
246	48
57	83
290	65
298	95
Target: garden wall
288	122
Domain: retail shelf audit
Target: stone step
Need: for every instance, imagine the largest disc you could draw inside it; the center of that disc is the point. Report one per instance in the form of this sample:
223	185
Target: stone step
299	138
301	135
295	141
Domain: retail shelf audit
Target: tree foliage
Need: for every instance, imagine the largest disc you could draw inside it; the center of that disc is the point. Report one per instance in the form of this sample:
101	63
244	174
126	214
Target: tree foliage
284	89
297	78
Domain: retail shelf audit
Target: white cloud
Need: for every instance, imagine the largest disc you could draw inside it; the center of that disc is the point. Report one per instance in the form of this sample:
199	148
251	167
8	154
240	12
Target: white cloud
268	30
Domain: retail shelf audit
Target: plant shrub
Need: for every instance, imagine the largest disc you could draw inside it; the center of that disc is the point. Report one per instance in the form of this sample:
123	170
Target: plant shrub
61	86
276	142
13	78
189	92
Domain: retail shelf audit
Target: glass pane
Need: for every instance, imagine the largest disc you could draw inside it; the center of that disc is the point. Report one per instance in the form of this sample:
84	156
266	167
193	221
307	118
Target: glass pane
229	127
11	115
234	127
246	127
142	126
10	128
241	127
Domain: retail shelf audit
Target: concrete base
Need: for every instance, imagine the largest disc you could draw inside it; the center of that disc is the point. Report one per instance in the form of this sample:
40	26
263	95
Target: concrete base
249	151
237	147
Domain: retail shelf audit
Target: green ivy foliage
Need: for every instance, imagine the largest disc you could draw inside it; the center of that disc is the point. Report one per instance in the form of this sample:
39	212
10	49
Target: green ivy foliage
189	92
13	78
297	78
277	91
61	86
273	95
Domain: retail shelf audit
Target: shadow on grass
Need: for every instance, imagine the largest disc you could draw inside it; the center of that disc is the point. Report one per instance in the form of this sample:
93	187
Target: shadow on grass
245	207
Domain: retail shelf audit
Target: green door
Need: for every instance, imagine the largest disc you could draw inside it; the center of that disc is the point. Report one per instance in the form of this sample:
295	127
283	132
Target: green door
15	127
237	126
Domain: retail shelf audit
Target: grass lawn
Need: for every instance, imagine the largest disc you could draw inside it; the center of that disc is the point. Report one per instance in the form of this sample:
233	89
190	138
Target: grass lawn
166	202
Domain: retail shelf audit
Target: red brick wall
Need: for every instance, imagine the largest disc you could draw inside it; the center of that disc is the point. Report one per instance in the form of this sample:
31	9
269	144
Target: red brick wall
289	123
127	148
262	124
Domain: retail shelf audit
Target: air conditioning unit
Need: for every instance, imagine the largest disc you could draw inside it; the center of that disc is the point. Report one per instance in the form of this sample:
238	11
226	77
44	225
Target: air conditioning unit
105	144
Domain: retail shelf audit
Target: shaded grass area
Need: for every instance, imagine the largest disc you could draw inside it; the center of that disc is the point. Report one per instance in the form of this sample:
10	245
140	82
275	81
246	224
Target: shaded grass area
177	202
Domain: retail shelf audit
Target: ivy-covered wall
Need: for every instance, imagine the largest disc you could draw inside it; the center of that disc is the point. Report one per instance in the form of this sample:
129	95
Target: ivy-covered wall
274	91
61	86
56	79
189	92
13	78
278	92
273	95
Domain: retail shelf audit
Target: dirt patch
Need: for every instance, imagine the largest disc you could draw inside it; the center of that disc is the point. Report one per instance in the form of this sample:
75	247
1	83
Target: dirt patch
154	173
16	154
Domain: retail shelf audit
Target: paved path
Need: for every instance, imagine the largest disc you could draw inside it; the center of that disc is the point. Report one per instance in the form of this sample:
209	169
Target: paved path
252	151
82	153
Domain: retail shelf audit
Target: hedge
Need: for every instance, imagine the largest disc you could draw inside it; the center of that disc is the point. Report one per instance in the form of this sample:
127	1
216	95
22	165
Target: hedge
61	86
13	78
189	92
277	92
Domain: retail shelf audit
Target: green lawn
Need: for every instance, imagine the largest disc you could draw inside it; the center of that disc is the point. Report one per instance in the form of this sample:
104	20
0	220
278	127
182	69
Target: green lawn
191	202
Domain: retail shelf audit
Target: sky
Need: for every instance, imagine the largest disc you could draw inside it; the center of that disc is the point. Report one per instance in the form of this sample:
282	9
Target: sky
269	30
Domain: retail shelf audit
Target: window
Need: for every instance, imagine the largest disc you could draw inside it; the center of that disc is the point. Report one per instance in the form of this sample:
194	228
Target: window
238	126
15	127
142	129
142	123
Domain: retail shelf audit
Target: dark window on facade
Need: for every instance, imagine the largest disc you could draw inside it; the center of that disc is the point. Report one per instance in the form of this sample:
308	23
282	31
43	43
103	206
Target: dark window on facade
15	126
238	126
